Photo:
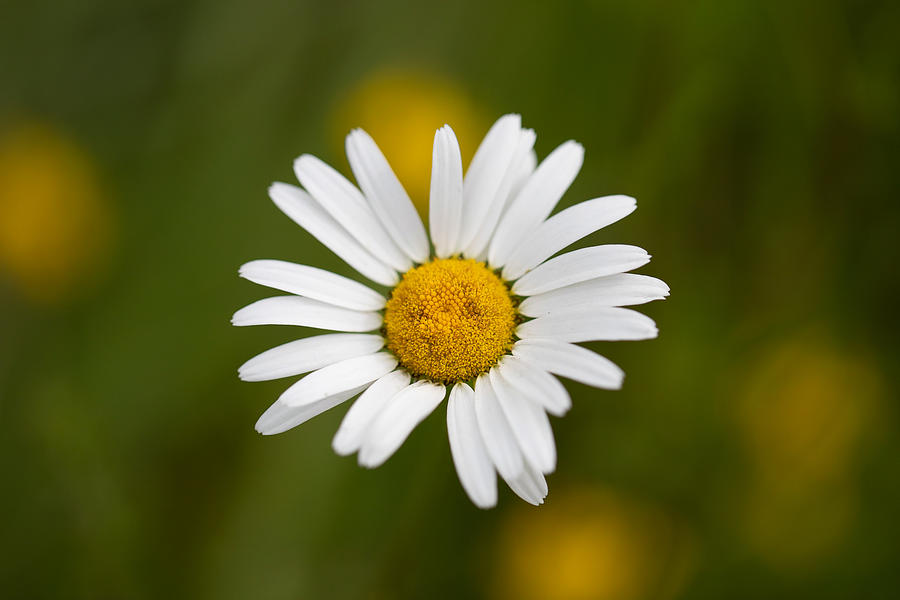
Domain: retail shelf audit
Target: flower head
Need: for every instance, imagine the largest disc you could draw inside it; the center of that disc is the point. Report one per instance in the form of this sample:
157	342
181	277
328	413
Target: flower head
484	309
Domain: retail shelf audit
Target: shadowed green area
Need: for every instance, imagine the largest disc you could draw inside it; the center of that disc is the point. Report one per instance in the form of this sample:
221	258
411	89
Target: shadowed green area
761	140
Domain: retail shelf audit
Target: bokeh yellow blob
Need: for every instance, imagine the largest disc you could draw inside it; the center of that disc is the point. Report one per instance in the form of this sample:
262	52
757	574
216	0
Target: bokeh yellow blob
54	219
802	416
593	544
401	110
792	526
805	408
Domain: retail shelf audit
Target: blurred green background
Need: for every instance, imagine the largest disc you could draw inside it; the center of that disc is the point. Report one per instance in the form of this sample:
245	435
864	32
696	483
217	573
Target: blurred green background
753	452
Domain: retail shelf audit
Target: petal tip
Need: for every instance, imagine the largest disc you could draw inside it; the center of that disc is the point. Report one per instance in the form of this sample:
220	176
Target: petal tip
484	505
366	461
340	447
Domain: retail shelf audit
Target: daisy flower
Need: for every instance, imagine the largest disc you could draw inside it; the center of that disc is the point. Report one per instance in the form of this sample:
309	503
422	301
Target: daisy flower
484	309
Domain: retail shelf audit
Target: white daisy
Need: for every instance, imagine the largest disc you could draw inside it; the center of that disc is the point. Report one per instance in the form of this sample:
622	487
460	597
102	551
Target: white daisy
483	310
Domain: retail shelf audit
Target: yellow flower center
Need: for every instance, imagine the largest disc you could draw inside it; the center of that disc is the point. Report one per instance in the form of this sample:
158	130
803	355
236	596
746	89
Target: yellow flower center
449	320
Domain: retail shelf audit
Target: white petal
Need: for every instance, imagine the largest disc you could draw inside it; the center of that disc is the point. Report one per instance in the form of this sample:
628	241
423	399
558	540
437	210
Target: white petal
473	465
308	354
308	214
314	283
495	431
540	194
564	228
296	310
538	385
580	265
339	377
403	412
569	360
389	200
486	173
280	417
349	208
446	200
523	174
528	421
607	323
530	485
520	162
365	410
622	289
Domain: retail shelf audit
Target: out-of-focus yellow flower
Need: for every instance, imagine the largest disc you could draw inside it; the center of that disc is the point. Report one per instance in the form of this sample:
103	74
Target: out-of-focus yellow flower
802	416
791	525
593	544
805	408
54	220
401	110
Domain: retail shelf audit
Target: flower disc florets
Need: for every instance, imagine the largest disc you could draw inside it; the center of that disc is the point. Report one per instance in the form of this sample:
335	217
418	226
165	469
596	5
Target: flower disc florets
449	320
